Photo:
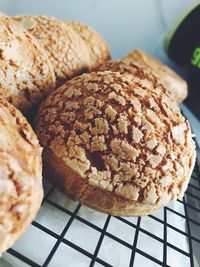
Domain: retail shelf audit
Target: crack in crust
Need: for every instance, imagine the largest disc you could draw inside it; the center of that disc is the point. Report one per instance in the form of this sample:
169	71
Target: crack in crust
130	148
20	174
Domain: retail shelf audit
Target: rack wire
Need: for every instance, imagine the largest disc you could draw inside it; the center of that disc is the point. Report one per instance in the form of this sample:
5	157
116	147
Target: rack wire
64	240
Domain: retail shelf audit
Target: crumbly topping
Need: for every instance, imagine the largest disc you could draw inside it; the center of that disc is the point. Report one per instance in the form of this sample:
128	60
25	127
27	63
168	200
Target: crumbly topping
123	149
26	74
101	127
20	173
154	160
118	98
175	85
92	87
136	134
66	50
110	112
178	133
98	49
134	70
98	143
148	126
136	104
166	181
129	148
168	166
152	116
161	149
123	124
152	143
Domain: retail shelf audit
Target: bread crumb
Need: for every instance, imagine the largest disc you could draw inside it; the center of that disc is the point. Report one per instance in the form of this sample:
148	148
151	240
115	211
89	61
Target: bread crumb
129	191
152	143
92	87
110	112
178	133
123	124
123	149
136	104
119	99
98	143
151	196
161	149
136	134
166	181
154	160
101	127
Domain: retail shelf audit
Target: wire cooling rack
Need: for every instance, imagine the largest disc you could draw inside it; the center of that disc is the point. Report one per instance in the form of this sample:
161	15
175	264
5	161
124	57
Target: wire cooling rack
66	234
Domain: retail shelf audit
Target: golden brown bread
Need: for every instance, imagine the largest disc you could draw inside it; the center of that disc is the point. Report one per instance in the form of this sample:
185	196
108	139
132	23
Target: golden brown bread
65	49
116	143
26	75
20	175
135	70
68	52
98	49
172	81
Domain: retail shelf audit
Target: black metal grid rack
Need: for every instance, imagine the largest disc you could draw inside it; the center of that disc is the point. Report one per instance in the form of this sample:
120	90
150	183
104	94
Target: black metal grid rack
104	240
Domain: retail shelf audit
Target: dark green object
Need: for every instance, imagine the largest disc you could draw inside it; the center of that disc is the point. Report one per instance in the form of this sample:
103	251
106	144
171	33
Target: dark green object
182	45
184	38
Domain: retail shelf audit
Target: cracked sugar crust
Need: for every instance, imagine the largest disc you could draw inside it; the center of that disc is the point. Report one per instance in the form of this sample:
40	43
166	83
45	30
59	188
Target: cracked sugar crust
135	69
26	74
66	50
98	48
131	147
20	174
172	81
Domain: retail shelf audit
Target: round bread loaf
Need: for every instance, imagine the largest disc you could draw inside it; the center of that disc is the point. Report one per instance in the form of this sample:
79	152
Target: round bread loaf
26	74
66	50
172	81
98	49
20	175
116	143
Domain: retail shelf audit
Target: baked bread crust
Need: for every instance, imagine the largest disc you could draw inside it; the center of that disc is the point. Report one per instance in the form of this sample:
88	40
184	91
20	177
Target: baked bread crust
20	175
68	53
116	143
135	70
26	74
73	185
172	81
98	48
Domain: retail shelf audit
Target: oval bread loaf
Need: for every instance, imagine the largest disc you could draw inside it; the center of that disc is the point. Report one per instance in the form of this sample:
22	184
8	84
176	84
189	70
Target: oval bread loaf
20	175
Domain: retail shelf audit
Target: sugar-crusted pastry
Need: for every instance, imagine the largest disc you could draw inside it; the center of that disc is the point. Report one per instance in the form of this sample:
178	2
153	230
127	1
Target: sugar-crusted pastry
115	143
171	80
68	52
26	74
136	71
98	49
20	175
